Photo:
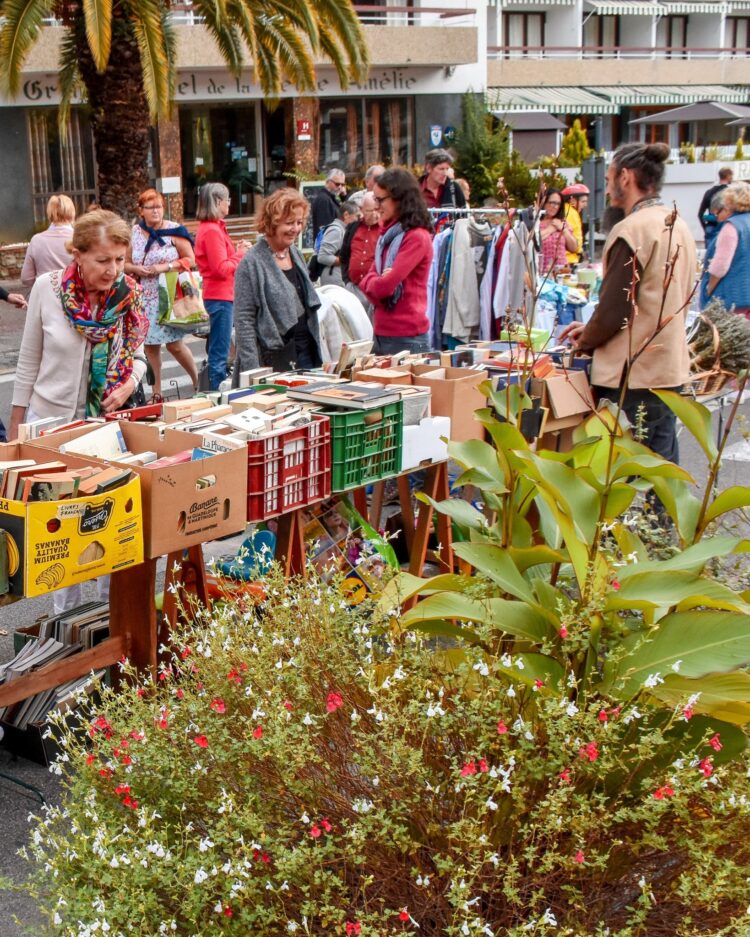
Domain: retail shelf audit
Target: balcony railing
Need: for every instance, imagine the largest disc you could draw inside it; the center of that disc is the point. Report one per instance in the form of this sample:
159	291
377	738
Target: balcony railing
614	52
184	14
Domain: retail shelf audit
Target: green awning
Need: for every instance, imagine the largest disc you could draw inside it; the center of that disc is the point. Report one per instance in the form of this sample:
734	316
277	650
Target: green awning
566	100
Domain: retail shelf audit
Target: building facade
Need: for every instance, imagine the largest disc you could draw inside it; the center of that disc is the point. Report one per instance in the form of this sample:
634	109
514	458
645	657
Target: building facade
605	61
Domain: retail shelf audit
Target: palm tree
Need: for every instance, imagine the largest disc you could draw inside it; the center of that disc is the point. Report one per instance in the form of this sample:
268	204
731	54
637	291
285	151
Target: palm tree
121	53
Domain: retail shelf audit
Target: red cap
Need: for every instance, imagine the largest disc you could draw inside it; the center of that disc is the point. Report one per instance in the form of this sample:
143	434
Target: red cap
578	188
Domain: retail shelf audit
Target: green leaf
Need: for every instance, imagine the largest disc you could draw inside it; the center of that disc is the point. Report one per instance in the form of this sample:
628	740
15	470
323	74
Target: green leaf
458	510
695	417
682	506
725	695
730	499
526	557
480	479
439	628
535	667
693	558
648	466
619	499
529	623
654	589
703	642
629	543
497	564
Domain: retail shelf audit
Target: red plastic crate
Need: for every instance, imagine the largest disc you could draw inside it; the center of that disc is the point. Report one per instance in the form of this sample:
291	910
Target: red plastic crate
288	469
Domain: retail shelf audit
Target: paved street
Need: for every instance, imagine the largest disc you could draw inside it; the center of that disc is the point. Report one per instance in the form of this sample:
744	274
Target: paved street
16	802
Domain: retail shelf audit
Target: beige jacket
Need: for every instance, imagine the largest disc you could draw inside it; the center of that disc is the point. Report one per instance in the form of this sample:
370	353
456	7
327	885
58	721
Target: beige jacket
53	363
665	362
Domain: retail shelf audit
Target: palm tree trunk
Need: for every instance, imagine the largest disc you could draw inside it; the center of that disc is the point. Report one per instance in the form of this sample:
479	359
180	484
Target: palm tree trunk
120	119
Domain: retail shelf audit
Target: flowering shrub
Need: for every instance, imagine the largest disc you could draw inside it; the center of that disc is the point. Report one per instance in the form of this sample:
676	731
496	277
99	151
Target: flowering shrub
293	770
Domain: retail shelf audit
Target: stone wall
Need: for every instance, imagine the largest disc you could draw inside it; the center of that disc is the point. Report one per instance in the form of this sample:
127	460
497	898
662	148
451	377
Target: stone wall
11	261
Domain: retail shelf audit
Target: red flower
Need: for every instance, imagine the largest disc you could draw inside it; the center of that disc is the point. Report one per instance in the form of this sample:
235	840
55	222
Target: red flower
565	775
243	666
661	792
234	677
715	743
589	751
140	692
353	927
90	759
228	911
603	717
315	831
706	767
185	653
287	705
105	772
258	732
326	824
333	702
403	915
138	736
615	584
163	721
201	741
122	789
179	693
127	760
579	857
468	769
483	766
563	632
265	858
129	802
501	728
539	684
687	712
218	705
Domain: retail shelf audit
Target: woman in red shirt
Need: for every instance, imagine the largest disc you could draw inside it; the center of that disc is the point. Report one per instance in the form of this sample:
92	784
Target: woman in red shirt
217	259
397	281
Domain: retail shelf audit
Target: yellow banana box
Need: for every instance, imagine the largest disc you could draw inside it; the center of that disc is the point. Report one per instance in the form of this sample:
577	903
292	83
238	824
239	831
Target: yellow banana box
54	544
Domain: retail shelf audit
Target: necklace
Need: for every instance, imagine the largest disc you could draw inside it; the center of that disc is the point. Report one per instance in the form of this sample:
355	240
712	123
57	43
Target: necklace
282	255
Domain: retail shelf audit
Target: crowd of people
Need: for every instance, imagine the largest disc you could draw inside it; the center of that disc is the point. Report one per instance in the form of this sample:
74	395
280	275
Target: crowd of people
93	322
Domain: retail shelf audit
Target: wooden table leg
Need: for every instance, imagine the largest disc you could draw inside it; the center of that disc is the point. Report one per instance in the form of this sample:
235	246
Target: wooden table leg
376	505
359	500
186	572
436	486
444	527
132	613
407	510
290	544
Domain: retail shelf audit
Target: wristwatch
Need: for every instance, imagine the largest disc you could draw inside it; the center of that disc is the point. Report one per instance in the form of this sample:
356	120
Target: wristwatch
169	265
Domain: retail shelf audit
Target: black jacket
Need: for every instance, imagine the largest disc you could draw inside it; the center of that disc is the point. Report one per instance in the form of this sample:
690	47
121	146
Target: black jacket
345	253
325	207
706	201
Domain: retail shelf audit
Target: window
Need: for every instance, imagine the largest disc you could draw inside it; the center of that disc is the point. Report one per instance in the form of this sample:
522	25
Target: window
671	35
600	34
60	166
522	31
738	33
357	132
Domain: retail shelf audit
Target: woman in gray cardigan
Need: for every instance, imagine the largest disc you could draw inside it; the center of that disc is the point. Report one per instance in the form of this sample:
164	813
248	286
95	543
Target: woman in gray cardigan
275	304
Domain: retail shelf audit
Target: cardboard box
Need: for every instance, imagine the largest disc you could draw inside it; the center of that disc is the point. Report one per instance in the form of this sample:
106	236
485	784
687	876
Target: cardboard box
566	395
50	542
455	394
422	443
178	512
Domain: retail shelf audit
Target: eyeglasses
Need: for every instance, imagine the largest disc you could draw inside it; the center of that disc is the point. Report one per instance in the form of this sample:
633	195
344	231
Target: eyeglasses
153	207
382	199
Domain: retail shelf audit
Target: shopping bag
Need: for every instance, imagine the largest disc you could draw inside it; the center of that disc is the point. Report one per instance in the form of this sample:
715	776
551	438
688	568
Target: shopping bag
181	300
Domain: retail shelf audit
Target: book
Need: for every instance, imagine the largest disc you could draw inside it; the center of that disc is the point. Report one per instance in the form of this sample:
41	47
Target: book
105	442
139	458
250	421
104	480
218	442
252	376
177	459
354	395
50	486
350	352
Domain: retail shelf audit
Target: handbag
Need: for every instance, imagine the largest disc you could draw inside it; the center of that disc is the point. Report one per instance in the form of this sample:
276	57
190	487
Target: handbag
181	300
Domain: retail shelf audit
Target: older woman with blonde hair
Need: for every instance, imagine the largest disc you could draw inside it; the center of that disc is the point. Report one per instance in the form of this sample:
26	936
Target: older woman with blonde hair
275	303
82	348
728	277
47	250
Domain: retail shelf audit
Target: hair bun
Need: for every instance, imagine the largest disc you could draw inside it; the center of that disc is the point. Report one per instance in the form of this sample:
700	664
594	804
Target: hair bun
658	152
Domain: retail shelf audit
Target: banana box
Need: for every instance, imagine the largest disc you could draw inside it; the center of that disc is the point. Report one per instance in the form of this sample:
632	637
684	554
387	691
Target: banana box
54	544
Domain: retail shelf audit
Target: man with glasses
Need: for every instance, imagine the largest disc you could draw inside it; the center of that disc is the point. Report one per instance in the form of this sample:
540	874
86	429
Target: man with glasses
358	250
327	204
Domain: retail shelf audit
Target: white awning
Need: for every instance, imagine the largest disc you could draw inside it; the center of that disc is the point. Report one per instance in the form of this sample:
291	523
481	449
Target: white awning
626	7
538	3
554	100
695	6
672	94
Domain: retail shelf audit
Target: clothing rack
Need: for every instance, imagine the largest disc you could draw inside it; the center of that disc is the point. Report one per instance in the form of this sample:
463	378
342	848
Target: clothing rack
467	211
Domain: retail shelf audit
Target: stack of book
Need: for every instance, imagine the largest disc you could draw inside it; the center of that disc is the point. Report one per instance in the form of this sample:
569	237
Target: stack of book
28	480
58	637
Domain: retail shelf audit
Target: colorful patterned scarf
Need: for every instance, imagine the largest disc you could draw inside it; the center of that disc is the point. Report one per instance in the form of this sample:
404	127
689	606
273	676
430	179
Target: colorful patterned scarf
114	331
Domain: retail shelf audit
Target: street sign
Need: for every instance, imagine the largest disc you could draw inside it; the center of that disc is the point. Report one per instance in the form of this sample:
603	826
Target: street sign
436	134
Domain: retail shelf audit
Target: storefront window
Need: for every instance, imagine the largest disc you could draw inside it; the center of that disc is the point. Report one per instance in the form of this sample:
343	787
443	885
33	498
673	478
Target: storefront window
357	132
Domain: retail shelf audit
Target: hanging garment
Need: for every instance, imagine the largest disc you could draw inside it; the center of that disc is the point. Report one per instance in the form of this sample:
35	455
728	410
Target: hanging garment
462	308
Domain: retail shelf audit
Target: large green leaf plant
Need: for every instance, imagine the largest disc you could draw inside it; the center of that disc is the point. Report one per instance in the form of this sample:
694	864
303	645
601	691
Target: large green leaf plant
560	593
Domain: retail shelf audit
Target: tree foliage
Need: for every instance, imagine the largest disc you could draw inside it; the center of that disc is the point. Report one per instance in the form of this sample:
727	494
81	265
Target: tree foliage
575	146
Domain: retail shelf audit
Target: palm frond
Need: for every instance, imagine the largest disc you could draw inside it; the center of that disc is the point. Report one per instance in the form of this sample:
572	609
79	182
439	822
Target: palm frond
343	30
220	22
69	78
292	52
22	20
97	15
158	73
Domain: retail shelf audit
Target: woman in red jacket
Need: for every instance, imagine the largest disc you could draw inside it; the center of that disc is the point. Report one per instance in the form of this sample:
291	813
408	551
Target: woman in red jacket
217	259
397	281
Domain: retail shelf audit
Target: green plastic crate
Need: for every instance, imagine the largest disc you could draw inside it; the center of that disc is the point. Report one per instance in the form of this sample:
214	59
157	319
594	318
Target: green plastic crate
364	451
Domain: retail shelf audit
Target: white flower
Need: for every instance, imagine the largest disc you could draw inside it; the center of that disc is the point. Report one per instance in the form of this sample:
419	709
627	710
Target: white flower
200	876
205	844
483	669
653	680
491	805
308	720
571	709
676	666
511	692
